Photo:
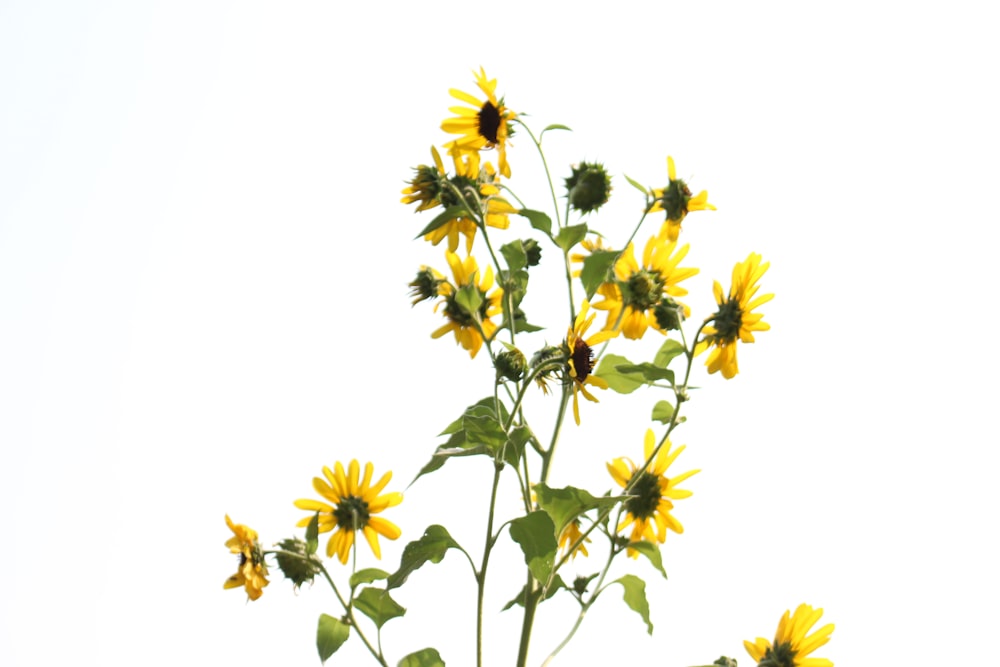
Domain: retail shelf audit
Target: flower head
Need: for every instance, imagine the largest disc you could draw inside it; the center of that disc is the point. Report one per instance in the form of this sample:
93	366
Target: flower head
469	328
252	572
588	187
427	285
632	299
580	357
349	506
485	125
653	493
792	646
735	319
677	201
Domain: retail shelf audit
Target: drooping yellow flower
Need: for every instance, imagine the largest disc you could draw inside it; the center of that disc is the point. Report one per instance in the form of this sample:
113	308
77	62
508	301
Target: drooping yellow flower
734	320
639	288
653	493
485	125
792	642
677	201
351	506
570	534
252	572
580	357
464	325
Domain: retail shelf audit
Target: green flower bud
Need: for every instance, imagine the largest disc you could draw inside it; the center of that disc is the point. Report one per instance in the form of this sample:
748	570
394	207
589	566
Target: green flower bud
725	662
588	187
669	314
425	285
533	251
511	364
301	569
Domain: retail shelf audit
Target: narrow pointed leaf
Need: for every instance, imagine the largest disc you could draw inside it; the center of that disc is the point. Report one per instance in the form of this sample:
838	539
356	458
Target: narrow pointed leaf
636	185
557	585
449	213
647	371
312	535
553	126
330	635
431	547
652	552
367	576
635	597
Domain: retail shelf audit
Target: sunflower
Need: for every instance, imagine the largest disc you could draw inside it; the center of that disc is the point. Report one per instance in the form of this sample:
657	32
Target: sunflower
791	645
638	289
570	534
252	572
734	319
485	125
677	201
352	504
469	331
580	357
652	493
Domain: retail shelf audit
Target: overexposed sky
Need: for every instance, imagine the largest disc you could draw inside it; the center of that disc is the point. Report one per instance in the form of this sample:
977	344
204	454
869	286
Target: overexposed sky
203	268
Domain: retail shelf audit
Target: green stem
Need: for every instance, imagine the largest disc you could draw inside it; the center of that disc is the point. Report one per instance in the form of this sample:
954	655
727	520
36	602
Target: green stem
548	175
481	575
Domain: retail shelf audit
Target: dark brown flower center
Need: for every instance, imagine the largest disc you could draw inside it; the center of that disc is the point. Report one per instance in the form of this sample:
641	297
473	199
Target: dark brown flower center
583	360
646	495
489	122
351	513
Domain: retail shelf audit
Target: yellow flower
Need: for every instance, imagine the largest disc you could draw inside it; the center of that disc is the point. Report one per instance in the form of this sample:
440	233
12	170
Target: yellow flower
252	572
570	534
465	326
653	493
580	356
677	201
351	508
735	320
485	125
638	289
791	645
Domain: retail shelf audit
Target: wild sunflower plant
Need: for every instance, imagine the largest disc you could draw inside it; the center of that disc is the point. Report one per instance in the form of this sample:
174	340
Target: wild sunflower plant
612	296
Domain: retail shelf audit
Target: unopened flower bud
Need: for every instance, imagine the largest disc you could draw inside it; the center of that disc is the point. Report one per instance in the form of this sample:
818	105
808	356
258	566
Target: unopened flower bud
425	285
511	364
588	187
669	314
533	251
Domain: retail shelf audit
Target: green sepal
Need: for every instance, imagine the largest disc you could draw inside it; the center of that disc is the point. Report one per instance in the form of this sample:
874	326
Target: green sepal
663	412
648	371
447	215
596	269
670	349
623	383
430	547
557	585
470	299
535	534
427	657
515	255
540	221
330	635
312	535
636	185
635	597
652	552
378	605
564	505
367	576
571	235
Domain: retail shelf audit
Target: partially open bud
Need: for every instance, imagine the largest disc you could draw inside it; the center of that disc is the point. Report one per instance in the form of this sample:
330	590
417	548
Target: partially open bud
588	187
425	285
511	364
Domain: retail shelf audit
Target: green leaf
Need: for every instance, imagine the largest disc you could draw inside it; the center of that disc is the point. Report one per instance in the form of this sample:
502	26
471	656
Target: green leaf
427	657
648	371
535	533
635	185
635	597
670	349
470	299
520	326
430	547
623	383
515	255
557	585
514	449
570	236
444	453
485	430
378	605
652	552
367	576
538	220
483	406
596	268
449	213
663	412
564	505
554	126
312	535
330	635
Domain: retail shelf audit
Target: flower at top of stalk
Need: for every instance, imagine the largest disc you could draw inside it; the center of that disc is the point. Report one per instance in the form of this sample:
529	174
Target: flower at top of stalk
632	299
653	493
588	187
677	201
590	245
485	125
252	572
791	645
349	506
570	534
465	326
580	357
476	183
735	319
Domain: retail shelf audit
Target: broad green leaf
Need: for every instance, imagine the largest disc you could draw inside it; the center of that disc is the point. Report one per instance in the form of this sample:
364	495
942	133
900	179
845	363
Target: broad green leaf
449	213
515	255
564	505
312	535
670	349
596	269
535	534
470	299
570	236
514	449
623	383
481	407
330	635
520	326
538	220
635	597
427	657
652	552
430	547
377	605
557	585
648	371
367	576
635	185
663	412
484	430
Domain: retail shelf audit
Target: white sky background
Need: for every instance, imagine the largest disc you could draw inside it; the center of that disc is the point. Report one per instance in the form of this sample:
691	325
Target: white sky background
203	268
